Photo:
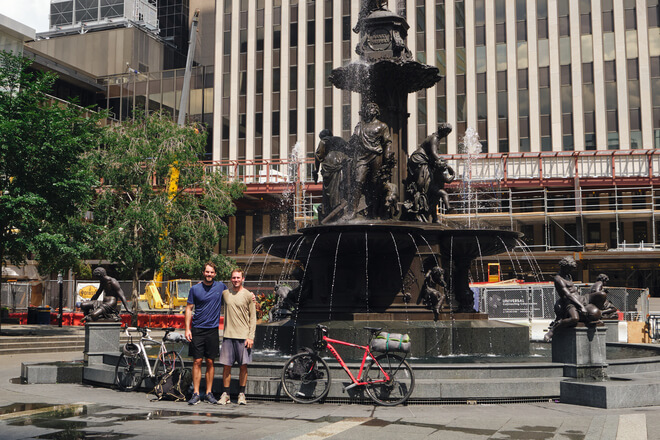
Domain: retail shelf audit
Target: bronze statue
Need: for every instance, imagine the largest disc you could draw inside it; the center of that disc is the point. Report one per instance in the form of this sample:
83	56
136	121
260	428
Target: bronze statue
288	298
333	160
427	175
571	307
598	297
106	309
433	292
371	142
368	6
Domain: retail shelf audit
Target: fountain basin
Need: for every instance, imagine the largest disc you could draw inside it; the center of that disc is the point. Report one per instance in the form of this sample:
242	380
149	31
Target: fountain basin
430	339
376	267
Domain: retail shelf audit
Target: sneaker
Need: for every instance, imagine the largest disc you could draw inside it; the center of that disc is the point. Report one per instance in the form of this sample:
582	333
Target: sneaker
194	400
210	398
224	399
241	399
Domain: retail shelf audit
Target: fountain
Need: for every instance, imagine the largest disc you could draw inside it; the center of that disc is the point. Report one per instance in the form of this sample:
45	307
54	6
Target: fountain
379	234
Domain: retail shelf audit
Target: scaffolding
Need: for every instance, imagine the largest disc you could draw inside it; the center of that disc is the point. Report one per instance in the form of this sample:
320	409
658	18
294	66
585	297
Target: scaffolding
554	207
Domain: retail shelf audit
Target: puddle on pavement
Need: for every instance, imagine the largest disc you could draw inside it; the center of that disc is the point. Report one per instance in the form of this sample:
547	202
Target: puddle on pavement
77	435
376	423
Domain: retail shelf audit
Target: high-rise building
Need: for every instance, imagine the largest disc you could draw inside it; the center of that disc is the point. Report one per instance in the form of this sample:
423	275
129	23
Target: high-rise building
565	96
528	75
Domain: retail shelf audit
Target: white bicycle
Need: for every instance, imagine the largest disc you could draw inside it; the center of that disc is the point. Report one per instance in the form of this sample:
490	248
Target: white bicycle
131	365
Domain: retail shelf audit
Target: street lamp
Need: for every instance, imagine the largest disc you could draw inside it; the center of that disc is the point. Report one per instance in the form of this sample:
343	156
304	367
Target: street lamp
60	281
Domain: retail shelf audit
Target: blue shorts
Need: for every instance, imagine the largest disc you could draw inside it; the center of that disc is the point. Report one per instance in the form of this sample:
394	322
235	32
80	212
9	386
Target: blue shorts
234	351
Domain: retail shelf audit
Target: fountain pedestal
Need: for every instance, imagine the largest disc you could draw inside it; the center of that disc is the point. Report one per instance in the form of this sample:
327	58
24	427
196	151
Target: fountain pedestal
582	350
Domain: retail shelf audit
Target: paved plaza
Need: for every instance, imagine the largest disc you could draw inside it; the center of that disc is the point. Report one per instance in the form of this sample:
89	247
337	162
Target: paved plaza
71	411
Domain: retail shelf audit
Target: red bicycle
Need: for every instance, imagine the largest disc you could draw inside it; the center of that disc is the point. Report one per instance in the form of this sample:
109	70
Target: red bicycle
387	378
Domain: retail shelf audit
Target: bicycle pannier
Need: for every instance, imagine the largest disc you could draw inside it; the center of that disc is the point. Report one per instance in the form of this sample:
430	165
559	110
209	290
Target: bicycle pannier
385	342
173	385
302	368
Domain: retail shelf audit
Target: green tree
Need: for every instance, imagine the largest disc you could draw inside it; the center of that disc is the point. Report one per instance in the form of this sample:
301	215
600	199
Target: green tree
144	226
46	180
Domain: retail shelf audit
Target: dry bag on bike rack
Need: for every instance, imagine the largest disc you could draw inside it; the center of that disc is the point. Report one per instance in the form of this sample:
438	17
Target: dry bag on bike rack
173	385
385	342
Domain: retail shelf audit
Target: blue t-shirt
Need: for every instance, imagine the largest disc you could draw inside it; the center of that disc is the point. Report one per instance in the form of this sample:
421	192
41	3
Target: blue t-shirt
207	301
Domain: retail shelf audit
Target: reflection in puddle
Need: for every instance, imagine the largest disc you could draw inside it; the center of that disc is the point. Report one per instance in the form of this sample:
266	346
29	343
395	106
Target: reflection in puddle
20	407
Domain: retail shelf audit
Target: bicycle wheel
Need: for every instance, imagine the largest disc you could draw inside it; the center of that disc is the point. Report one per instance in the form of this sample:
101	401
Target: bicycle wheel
129	372
168	362
398	388
306	378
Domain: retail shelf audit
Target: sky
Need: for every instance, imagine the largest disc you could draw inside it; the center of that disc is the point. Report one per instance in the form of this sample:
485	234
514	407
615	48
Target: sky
32	13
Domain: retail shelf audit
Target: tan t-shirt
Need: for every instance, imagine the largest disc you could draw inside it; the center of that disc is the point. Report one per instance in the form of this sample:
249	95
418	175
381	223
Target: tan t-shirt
240	314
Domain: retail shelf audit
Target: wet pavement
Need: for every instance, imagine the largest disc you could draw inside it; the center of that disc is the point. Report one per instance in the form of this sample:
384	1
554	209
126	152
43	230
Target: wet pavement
72	411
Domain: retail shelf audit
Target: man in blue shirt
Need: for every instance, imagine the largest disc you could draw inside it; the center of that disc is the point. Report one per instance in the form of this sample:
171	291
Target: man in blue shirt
202	330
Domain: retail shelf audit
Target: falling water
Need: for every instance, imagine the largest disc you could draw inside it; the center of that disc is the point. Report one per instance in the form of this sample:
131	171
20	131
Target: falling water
295	316
534	265
481	260
256	251
366	267
398	260
334	275
514	259
471	147
451	295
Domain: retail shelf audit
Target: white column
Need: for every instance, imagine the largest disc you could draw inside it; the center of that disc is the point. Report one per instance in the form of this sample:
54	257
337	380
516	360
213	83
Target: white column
621	75
284	80
491	78
251	82
355	97
302	76
512	76
431	94
576	77
413	102
337	44
319	70
533	78
235	85
470	64
450	51
555	76
599	76
268	81
644	75
217	80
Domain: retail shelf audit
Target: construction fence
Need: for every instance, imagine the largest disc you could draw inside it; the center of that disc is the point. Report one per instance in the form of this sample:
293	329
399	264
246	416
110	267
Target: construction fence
527	301
17	296
536	301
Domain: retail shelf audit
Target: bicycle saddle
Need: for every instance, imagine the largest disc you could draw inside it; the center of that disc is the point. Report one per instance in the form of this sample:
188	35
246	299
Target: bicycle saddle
373	329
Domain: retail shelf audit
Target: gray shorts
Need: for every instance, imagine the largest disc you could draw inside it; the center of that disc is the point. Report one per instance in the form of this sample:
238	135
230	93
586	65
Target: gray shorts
234	351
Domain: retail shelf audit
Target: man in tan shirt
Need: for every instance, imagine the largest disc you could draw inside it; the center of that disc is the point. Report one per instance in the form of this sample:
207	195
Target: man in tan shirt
238	337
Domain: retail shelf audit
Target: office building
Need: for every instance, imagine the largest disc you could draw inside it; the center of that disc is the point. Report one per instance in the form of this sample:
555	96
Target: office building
565	96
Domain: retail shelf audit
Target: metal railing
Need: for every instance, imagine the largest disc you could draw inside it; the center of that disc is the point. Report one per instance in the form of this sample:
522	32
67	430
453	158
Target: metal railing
506	168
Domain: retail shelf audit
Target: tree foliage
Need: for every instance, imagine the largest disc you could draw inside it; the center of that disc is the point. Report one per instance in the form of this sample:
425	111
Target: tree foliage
46	179
145	226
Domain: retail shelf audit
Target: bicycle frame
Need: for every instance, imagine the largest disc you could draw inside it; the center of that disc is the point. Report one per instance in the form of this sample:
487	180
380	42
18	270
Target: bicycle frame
367	353
146	337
